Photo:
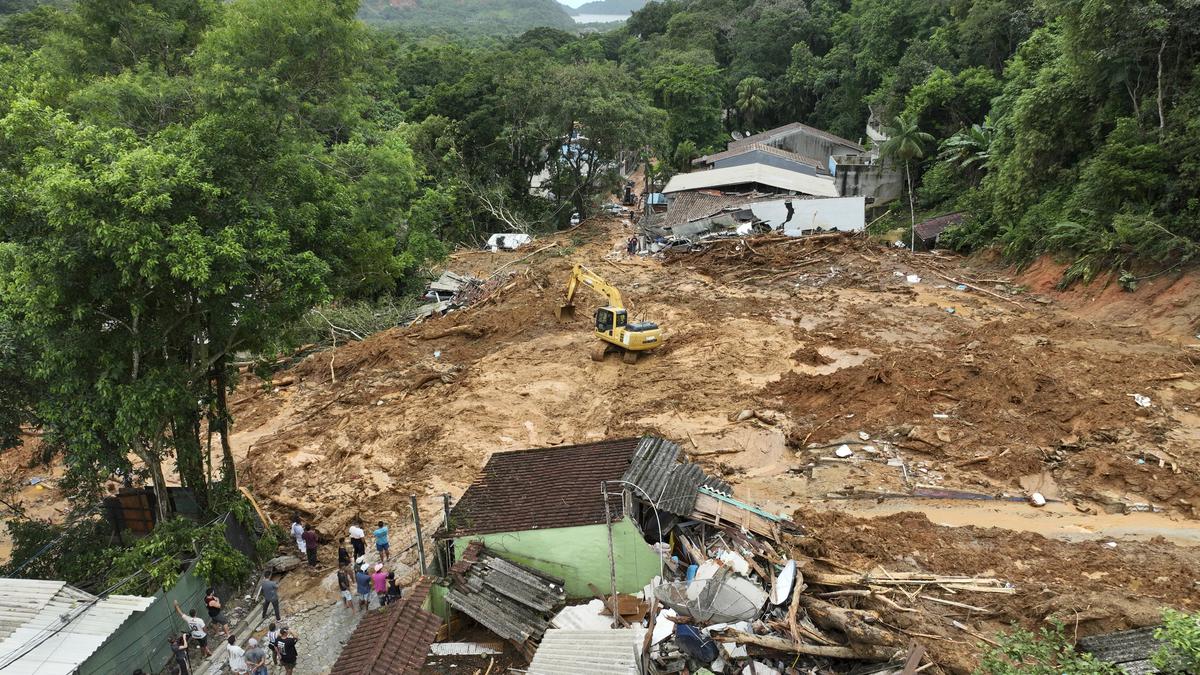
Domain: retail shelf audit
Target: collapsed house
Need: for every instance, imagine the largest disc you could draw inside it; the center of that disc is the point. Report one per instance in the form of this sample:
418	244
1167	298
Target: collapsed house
622	556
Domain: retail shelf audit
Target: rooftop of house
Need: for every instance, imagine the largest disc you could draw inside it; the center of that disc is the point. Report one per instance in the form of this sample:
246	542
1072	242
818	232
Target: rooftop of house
541	488
545	488
795	127
392	641
928	229
753	174
734	151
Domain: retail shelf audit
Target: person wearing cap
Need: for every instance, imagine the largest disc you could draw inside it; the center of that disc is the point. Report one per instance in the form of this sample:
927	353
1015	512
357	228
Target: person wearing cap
379	580
256	658
363	582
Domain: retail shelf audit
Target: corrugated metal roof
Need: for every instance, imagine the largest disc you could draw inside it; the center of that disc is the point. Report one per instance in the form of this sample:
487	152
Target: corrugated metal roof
588	652
670	483
747	174
540	488
511	600
689	206
1130	650
59	626
392	641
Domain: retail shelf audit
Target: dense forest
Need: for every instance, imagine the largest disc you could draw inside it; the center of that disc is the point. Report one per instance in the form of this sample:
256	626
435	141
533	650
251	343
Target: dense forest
466	17
182	181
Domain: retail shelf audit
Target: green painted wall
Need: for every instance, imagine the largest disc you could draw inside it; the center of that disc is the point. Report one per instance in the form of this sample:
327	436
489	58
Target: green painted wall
578	555
141	642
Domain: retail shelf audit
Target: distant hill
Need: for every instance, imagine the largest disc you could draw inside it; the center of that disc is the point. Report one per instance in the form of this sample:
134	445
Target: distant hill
491	17
607	7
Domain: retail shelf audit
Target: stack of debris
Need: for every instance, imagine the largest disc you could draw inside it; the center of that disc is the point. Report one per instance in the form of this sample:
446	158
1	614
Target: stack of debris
699	581
511	600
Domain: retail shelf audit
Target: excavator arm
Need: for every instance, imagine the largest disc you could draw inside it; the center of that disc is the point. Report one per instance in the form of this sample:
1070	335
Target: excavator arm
582	275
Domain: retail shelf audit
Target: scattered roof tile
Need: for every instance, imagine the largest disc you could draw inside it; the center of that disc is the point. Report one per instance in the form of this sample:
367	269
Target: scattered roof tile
393	640
509	599
540	488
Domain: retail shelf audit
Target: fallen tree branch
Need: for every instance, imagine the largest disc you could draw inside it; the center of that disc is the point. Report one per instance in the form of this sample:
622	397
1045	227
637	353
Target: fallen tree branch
973	287
863	652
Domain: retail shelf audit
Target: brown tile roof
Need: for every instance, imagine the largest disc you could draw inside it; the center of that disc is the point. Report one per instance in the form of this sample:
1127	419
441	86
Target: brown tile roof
540	488
734	151
771	134
928	229
391	641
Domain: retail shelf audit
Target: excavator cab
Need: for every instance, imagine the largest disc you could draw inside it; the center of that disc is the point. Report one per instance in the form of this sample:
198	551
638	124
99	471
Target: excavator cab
609	319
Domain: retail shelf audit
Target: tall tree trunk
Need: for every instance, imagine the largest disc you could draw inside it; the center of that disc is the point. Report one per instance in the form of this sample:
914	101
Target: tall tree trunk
224	424
1162	120
185	435
151	455
912	209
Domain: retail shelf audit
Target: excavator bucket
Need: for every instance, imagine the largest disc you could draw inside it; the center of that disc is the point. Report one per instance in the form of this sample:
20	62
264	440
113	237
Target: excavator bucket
565	312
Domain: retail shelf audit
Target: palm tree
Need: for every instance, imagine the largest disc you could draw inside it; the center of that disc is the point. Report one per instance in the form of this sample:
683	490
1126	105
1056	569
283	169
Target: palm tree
752	99
969	149
906	142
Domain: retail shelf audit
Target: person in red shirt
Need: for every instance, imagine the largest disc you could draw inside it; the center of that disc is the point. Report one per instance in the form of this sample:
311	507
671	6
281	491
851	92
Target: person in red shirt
310	545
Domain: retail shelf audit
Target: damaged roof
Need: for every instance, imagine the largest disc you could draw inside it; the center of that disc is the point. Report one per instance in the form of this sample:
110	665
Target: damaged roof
669	483
540	488
1130	650
928	229
511	600
689	206
392	641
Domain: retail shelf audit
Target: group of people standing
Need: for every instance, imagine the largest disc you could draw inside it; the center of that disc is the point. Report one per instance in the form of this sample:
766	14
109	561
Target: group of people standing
307	540
279	643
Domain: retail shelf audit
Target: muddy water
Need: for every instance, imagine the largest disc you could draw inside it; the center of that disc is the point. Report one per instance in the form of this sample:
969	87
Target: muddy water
1060	521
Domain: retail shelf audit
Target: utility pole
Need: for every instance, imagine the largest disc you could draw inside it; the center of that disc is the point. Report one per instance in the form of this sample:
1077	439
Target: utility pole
417	524
612	558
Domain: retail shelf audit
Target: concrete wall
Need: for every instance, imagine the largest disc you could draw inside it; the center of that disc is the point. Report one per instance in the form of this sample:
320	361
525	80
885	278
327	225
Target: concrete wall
760	157
882	184
579	555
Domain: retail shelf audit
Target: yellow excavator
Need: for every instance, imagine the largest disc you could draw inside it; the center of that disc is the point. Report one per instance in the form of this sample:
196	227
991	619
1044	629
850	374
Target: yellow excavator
612	320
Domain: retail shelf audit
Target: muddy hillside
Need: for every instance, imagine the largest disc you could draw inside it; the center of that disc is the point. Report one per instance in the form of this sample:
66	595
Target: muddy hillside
835	376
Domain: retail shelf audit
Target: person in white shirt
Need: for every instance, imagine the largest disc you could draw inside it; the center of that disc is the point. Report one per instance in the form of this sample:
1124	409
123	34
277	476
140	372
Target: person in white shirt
358	539
237	657
195	629
298	534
